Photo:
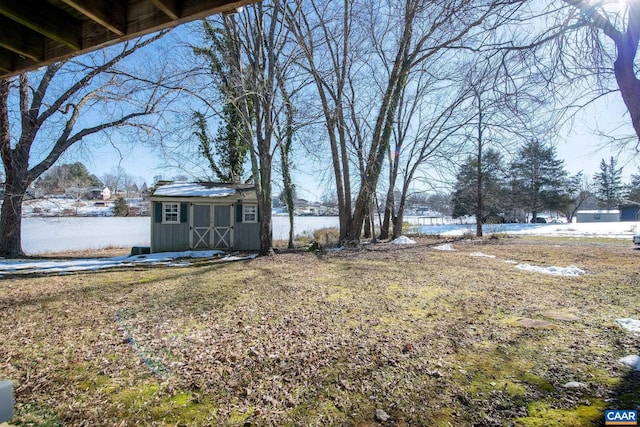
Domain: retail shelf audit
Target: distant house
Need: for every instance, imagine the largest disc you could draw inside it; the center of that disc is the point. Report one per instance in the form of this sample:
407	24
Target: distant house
204	215
598	216
105	193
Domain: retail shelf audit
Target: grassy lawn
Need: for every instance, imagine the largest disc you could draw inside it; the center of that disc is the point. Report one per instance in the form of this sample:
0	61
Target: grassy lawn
429	337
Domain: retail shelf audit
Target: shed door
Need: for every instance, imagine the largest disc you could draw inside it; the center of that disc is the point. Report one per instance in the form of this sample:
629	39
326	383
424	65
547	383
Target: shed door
201	233
222	227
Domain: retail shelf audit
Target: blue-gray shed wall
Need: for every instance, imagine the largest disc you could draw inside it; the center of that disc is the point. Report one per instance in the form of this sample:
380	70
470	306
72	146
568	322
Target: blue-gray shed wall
176	237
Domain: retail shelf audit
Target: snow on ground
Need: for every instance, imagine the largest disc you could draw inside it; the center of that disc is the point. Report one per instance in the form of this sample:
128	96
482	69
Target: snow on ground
173	259
632	325
619	230
481	255
403	240
632	361
571	270
557	271
445	247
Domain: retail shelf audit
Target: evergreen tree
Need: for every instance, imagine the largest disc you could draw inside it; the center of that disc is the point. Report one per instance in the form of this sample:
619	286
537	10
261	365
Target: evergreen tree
540	181
59	178
494	196
608	184
633	191
120	207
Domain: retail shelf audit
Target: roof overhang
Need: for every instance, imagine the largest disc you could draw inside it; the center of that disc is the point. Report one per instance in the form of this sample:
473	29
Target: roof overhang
34	33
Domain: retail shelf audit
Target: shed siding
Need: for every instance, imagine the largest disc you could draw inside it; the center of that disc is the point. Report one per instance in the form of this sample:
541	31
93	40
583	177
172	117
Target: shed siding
170	237
597	217
629	214
247	236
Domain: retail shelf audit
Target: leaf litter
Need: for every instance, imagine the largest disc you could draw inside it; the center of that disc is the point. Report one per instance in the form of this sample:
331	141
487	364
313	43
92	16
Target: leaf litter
341	338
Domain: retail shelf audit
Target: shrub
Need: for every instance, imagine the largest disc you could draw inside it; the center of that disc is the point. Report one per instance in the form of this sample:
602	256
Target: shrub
121	208
327	236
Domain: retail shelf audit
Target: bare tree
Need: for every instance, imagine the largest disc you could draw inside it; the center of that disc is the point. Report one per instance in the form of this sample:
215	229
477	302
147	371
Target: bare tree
363	62
586	44
54	104
257	53
430	114
324	32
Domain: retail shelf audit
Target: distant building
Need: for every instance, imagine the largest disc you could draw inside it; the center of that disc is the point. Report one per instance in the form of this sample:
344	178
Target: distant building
629	213
106	193
598	216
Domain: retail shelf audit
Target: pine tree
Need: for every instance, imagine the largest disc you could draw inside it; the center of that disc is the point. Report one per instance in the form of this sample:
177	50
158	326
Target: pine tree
633	191
465	195
608	184
120	207
539	178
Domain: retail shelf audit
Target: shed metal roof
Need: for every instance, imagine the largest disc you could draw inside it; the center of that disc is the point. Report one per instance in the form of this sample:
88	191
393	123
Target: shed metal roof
199	189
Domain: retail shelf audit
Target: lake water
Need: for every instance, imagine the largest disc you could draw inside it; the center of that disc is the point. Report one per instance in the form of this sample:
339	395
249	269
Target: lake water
41	235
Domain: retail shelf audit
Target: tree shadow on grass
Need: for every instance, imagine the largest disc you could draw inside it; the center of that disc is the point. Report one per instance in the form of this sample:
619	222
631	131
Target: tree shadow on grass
627	394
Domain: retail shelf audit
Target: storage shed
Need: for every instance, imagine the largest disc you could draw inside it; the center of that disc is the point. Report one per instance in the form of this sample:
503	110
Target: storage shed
598	216
629	213
204	215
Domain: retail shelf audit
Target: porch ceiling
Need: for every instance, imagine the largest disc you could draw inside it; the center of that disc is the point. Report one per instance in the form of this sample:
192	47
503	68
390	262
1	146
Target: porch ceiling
34	33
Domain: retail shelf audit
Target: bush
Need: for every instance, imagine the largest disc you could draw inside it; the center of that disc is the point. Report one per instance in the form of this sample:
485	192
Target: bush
121	208
327	236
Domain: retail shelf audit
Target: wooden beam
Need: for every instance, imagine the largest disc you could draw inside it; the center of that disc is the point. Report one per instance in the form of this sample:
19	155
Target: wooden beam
45	19
170	7
6	61
111	14
142	17
21	40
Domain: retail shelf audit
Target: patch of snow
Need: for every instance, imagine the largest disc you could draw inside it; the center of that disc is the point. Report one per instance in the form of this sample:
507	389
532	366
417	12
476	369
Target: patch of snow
403	240
574	384
445	247
632	325
239	258
480	254
571	270
192	189
632	361
70	266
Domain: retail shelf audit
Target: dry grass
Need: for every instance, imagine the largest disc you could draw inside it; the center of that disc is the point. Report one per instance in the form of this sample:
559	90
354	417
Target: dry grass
431	338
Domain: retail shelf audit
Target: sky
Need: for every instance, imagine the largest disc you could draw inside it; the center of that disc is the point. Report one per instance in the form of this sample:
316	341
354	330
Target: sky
578	144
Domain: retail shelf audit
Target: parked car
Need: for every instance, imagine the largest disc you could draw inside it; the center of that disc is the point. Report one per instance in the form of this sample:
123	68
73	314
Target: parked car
539	220
636	239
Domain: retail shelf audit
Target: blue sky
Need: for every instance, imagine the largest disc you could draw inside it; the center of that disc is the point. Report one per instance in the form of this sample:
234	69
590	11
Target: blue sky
579	145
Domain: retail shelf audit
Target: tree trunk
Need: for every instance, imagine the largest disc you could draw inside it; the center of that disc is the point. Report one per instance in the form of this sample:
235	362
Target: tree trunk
388	214
367	225
264	199
398	222
479	194
624	66
11	218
